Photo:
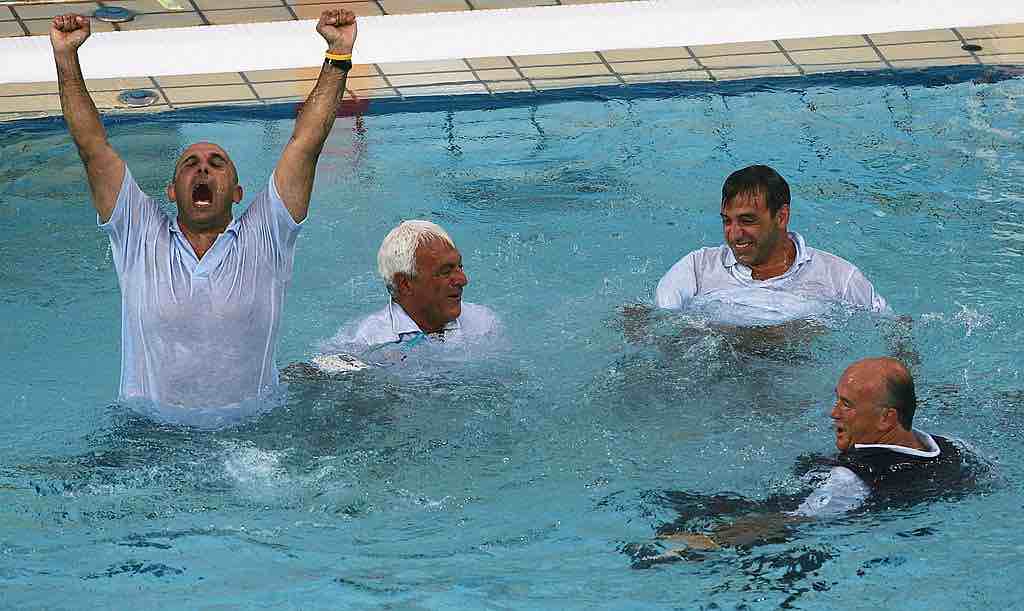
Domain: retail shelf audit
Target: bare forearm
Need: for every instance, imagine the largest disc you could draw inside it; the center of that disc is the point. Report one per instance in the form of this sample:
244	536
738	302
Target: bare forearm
315	121
296	169
80	114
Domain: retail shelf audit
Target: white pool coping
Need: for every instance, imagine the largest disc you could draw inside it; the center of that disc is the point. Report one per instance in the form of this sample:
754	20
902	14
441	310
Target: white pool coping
491	33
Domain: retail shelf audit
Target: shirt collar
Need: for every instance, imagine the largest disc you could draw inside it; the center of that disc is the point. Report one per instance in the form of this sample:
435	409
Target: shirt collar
931	448
803	254
231	228
402	323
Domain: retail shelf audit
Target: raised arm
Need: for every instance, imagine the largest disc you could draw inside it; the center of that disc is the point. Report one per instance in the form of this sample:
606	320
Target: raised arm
103	166
297	167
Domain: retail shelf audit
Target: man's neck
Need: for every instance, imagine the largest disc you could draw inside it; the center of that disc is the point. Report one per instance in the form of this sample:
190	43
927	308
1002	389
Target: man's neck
901	437
202	238
421	320
779	263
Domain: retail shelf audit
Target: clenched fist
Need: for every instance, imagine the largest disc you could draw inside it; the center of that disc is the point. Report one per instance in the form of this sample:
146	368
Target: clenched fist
338	27
68	32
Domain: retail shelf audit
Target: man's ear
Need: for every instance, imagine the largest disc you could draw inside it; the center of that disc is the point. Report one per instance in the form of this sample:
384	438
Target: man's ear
237	195
171	194
402	284
890	419
783	215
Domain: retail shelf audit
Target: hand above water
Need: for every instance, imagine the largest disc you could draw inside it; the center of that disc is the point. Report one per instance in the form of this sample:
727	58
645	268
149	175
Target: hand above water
68	32
338	27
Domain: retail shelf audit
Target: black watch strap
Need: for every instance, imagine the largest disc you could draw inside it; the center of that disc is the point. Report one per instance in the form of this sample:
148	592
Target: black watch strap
343	64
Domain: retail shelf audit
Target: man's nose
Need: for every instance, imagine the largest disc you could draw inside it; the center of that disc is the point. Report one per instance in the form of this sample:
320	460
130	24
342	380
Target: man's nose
732	232
459	278
834	414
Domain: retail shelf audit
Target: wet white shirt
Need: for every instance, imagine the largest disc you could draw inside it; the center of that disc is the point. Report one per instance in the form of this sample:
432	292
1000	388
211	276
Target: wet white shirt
389	332
713	274
199	333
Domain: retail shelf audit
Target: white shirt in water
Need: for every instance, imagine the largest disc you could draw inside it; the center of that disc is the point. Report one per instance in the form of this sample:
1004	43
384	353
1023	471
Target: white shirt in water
843	490
199	334
712	280
387	336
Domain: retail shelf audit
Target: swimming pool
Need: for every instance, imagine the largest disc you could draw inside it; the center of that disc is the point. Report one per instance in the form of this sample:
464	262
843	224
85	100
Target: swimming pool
516	481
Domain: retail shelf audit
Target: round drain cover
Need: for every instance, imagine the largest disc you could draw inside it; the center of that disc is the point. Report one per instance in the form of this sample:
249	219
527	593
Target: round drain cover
113	14
138	97
973	48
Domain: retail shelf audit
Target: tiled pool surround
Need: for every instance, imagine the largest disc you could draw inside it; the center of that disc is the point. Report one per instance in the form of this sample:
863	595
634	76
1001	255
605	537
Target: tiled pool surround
999	45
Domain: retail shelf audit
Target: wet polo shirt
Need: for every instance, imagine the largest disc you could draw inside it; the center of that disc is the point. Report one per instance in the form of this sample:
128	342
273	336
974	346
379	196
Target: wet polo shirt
199	333
714	274
387	335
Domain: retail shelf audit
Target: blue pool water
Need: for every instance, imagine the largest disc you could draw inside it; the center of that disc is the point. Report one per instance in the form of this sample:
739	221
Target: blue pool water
517	481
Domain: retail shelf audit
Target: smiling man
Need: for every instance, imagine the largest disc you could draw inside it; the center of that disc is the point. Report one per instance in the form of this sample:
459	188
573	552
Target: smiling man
201	293
422	270
761	262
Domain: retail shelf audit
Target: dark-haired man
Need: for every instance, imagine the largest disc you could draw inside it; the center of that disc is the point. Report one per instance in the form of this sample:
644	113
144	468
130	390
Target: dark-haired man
201	294
883	462
761	262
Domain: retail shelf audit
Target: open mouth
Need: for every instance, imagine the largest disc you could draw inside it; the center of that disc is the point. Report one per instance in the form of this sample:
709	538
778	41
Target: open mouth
202	195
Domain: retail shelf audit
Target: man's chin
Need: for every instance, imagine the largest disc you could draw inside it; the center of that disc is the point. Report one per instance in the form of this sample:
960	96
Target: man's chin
742	257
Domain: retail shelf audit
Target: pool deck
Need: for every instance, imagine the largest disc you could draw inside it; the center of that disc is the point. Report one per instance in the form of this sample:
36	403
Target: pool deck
999	45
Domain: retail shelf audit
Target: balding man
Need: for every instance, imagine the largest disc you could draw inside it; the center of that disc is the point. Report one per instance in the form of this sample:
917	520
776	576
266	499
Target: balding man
880	453
883	461
201	294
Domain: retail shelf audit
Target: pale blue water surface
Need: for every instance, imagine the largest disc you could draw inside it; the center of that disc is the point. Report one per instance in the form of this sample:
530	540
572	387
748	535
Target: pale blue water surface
515	482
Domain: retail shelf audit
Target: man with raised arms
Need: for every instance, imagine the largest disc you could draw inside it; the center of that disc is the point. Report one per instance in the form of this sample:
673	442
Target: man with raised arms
762	264
422	270
201	294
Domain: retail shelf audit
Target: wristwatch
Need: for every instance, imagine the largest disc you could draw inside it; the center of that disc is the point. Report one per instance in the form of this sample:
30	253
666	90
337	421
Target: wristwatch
343	64
342	61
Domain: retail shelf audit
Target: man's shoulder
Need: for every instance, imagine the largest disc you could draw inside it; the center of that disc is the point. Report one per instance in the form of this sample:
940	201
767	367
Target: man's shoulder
359	333
478	318
824	258
703	258
709	252
372	322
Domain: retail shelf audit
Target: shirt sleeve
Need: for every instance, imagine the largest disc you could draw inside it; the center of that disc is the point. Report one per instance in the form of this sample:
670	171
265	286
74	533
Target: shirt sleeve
135	215
678	286
269	217
859	291
841	491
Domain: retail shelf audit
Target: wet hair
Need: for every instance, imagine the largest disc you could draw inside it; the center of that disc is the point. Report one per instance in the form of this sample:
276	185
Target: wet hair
899	387
397	252
757	180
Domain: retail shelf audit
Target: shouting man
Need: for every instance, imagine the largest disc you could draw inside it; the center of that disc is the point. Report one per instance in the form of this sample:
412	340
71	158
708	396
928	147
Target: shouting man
202	293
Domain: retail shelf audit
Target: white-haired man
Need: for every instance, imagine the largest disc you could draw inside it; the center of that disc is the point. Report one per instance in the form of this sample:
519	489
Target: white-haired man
422	270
